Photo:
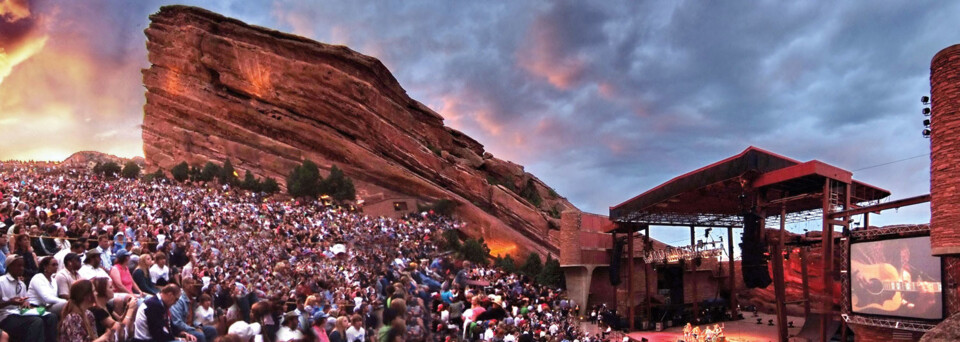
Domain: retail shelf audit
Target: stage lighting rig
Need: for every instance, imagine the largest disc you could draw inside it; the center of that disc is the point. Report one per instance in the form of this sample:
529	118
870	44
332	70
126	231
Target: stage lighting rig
925	100
926	132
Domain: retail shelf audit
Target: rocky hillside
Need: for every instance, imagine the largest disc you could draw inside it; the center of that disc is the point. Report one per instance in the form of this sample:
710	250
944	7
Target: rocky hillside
91	158
218	88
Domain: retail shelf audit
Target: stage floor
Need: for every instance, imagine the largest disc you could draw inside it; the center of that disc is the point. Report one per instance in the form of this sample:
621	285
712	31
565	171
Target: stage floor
745	330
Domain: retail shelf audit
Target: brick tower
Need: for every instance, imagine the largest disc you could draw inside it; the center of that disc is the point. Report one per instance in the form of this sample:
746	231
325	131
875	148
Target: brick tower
945	152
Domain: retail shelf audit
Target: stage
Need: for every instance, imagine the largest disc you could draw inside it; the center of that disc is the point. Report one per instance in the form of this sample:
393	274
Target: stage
745	330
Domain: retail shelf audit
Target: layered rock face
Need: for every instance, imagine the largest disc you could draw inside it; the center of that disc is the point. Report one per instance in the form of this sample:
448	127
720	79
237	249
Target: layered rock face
218	88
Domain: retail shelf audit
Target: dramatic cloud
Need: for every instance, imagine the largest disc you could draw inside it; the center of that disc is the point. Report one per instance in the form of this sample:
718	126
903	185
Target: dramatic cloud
601	100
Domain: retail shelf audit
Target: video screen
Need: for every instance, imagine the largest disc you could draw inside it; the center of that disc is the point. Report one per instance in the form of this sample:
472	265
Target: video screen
896	277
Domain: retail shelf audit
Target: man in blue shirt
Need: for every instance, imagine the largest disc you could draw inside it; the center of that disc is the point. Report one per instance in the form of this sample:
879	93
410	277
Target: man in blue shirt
180	312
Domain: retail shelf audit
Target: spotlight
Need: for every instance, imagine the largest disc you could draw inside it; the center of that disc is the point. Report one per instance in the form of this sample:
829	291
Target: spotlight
926	111
926	132
759	321
926	122
924	99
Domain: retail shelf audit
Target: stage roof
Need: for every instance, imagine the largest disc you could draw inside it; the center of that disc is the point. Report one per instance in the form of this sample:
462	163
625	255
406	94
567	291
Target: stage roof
712	196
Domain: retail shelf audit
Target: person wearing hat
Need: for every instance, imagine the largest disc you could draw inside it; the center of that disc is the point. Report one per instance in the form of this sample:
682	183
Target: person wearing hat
91	266
120	274
288	330
13	297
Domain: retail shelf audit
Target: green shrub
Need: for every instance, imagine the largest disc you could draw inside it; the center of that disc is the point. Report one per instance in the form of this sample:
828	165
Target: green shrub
130	170
530	193
180	172
269	186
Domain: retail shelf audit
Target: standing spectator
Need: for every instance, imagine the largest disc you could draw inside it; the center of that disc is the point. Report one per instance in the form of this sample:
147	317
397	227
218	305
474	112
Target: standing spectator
153	318
77	324
13	296
106	254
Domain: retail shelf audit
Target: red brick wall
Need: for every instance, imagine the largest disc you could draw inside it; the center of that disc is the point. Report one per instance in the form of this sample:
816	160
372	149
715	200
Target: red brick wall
945	152
569	235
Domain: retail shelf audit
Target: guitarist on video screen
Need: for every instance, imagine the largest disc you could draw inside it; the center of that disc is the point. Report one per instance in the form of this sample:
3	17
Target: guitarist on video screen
892	285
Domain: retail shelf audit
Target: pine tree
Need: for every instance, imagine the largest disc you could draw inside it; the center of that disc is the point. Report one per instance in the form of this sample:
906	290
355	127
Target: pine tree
304	180
551	273
249	182
227	174
532	266
210	170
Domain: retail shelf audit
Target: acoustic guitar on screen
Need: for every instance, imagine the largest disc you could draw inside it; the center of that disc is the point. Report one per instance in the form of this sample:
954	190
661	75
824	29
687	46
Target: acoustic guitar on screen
880	286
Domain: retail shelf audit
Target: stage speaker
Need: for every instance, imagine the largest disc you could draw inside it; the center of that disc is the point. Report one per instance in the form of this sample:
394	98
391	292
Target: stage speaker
755	271
615	254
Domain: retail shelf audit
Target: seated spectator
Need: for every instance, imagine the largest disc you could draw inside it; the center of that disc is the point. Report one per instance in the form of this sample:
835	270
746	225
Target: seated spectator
153	318
120	274
13	296
204	313
23	249
159	272
112	311
77	323
141	276
180	313
92	266
68	274
43	288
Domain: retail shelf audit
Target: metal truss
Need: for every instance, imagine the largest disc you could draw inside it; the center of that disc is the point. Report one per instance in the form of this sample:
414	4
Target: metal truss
889	323
869	234
951	278
684	219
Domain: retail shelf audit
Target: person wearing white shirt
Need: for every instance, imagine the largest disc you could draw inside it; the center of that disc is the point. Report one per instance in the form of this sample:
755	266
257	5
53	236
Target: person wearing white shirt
356	332
43	288
159	270
68	275
13	295
75	248
91	266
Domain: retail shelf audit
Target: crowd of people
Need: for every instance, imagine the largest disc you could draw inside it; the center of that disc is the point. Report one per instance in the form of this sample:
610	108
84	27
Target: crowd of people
126	260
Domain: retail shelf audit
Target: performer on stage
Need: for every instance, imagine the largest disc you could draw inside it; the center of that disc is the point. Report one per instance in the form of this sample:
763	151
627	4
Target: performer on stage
687	331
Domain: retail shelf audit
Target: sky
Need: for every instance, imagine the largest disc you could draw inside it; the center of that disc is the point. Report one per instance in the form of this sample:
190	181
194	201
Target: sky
601	100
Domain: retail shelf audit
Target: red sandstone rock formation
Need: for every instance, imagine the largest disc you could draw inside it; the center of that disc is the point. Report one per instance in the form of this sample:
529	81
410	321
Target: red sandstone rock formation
218	88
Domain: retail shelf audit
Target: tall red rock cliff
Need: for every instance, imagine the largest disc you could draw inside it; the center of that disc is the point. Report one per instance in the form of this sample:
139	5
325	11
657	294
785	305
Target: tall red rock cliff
218	88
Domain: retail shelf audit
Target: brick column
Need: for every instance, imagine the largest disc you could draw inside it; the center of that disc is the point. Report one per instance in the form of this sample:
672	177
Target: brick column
945	152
